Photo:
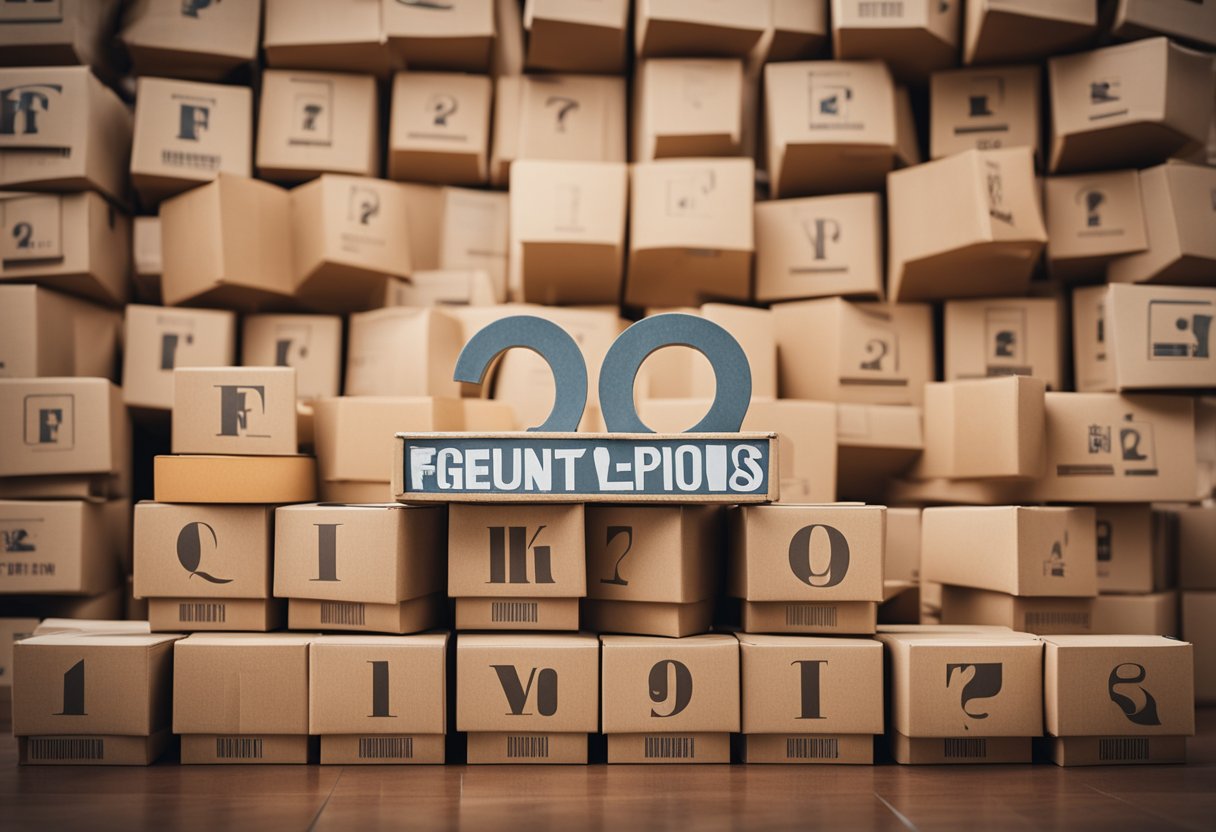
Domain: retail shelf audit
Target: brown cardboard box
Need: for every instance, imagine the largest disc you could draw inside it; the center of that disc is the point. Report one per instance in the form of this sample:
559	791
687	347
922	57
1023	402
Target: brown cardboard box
691	232
1042	615
915	37
670	700
1092	218
680	28
262	716
44	333
1006	336
568	231
402	352
378	699
969	225
1196	527
317	122
800	29
1024	551
1177	18
187	133
227	242
412	616
687	107
63	426
158	340
549	685
901	560
206	41
987	428
440	128
1153	613
12	630
311	344
234	479
1092	368
1180	226
1130	105
69	131
145	254
56	547
807	699
586	36
92	698
1107	699
342	36
1133	548
56	626
984	109
872	353
1015	30
1105	447
246	411
64	32
459	228
1199	628
819	246
442	287
874	443
795	580
75	243
454	35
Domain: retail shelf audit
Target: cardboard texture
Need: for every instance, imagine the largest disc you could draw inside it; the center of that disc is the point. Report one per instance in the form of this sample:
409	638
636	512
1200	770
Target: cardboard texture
157	340
649	618
317	122
44	333
800	29
459	228
412	616
1186	21
257	615
1041	615
915	37
988	428
1195	528
73	32
874	444
348	36
187	133
63	426
164	38
442	287
687	107
1006	336
234	479
310	344
1133	548
440	128
533	551
901	561
457	35
676	28
1153	613
1015	30
402	352
871	353
1092	218
687	372
577	37
1199	627
245	411
969	225
984	109
52	547
12	630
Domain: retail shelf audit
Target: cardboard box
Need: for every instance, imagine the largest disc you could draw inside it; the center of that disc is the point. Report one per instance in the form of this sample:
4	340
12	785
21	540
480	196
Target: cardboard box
227	242
246	411
145	254
691	232
874	443
63	426
819	247
195	40
69	131
872	353
12	630
158	340
440	128
677	28
1183	20
988	428
343	36
187	133
915	37
800	29
457	36
549	685
1130	105
568	231
412	616
311	344
1041	615
995	31
263	716
1179	225
577	37
44	333
57	547
234	479
442	287
1133	548
75	243
984	109
1196	526
1028	551
317	122
67	32
676	373
402	352
1006	336
969	225
1199	628
653	618
1153	613
687	107
810	700
1092	218
459	228
901	561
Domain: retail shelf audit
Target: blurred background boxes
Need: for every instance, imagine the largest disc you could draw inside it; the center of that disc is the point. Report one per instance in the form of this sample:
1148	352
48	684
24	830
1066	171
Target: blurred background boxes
679	28
915	37
580	36
1007	30
158	340
204	41
456	36
44	333
1006	336
984	109
440	128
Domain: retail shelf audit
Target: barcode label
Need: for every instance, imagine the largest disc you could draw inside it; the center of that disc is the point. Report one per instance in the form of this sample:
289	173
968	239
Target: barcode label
1057	618
238	748
1123	748
881	8
528	748
386	748
202	613
810	615
670	748
63	748
954	748
343	612
515	612
812	748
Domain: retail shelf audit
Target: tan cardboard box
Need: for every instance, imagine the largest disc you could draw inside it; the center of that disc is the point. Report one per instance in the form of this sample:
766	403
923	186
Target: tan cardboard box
1092	367
807	568
549	685
402	352
459	228
1153	613
412	616
197	478
1108	699
1006	336
568	231
227	242
1092	218
311	344
901	561
1015	30
986	428
1133	548
808	699
984	109
1024	551
687	107
872	353
915	37
456	35
800	29
206	41
76	243
317	122
342	36
670	700
245	411
145	254
442	287
263	715
1183	20
68	132
378	699
158	340
64	426
679	28
1199	628
1196	529
874	443
583	36
187	133
57	547
1129	105
969	225
44	333
653	618
1041	615
685	372
12	630
1180	227
440	128
691	232
66	32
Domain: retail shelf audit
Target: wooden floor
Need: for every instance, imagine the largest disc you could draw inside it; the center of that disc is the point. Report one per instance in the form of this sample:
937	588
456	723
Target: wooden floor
688	798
